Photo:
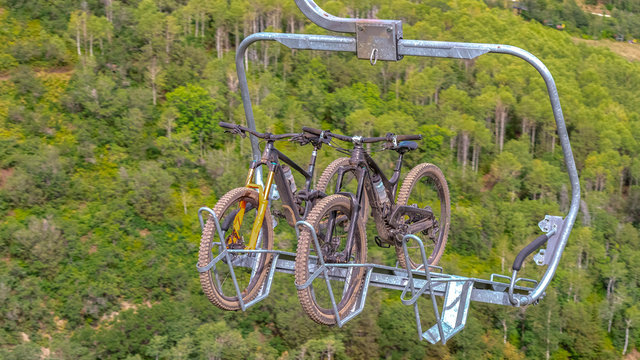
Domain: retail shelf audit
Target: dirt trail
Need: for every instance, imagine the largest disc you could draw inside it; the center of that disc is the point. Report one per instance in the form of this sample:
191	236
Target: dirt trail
628	51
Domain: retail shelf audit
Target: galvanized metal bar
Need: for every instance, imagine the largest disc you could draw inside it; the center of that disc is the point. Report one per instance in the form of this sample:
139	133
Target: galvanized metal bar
266	287
293	41
224	252
429	283
322	267
389	277
359	306
429	49
439	49
470	50
325	20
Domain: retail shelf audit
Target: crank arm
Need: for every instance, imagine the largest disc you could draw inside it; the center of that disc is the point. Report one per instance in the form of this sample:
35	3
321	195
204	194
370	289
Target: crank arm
420	226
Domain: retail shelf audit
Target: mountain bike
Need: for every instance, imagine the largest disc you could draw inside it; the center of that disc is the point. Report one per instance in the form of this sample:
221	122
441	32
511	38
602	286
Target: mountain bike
246	220
422	208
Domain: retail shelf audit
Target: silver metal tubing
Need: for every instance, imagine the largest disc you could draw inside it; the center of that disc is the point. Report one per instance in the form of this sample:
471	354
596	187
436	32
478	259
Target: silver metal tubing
470	50
436	49
293	41
322	268
514	301
325	20
429	283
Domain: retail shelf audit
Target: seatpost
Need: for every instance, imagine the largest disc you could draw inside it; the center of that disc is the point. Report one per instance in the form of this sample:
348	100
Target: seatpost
396	174
310	169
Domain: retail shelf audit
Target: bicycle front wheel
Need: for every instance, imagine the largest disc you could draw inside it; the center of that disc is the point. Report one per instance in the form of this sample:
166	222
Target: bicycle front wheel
327	183
238	205
426	188
332	213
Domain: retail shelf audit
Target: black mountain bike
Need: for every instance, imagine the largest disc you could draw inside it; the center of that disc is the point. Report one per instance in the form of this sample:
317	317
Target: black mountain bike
246	219
422	208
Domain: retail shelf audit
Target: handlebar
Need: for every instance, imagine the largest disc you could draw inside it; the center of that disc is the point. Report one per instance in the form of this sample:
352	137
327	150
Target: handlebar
239	129
389	137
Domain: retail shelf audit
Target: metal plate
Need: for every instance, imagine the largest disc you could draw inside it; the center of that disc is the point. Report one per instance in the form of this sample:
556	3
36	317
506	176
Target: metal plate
548	224
378	40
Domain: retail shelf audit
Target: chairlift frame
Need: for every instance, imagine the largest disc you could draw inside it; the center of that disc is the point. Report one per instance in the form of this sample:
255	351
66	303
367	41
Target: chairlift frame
382	40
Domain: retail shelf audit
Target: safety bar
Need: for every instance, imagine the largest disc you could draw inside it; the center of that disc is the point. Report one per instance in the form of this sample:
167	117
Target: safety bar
424	48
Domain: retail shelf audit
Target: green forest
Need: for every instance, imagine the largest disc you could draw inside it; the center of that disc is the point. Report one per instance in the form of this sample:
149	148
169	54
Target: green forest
589	19
109	144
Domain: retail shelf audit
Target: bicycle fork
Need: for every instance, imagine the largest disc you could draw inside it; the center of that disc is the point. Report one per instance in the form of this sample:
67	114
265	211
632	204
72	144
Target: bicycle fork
355	202
263	206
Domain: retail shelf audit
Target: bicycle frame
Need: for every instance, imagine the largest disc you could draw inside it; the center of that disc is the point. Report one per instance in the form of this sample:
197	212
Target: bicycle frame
271	158
364	165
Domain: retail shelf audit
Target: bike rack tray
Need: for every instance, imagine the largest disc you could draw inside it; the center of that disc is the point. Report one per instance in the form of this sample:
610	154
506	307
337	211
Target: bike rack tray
428	281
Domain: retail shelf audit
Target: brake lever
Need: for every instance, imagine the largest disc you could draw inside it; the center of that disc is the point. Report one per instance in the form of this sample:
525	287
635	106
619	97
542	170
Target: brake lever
300	139
236	131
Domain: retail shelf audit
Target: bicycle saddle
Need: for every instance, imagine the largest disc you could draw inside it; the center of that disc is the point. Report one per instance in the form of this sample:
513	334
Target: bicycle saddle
406	146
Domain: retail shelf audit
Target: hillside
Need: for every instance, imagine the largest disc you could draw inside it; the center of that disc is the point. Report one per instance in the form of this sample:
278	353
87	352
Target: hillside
628	51
108	146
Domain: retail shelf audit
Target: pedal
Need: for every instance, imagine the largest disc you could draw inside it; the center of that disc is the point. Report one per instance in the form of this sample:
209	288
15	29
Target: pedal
380	243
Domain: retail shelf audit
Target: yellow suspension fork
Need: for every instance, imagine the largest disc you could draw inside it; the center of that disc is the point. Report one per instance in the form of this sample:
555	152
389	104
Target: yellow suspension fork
237	220
262	209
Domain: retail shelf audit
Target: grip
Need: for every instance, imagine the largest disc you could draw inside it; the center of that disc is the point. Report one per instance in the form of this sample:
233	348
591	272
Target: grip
409	137
533	246
227	125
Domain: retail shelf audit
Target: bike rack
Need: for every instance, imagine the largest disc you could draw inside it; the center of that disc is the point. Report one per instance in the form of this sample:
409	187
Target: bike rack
382	40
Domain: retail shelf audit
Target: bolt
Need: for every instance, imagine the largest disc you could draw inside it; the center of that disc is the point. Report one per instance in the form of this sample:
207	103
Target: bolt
389	29
360	28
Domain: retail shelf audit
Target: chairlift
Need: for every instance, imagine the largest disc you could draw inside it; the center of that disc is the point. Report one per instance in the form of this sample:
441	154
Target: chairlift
381	40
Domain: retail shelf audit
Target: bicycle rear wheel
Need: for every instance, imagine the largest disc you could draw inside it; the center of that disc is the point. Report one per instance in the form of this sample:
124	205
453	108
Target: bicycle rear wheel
217	283
425	187
315	299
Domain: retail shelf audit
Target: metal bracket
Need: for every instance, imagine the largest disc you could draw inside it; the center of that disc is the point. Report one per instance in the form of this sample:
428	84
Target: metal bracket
378	40
550	225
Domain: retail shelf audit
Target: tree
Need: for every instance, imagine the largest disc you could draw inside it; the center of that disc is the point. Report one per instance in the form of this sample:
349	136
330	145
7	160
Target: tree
505	170
151	193
631	319
39	178
218	341
99	29
182	350
156	346
43	243
78	26
327	348
198	112
149	23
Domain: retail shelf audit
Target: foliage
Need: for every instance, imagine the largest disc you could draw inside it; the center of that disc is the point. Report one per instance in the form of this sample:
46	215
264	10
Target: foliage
109	144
